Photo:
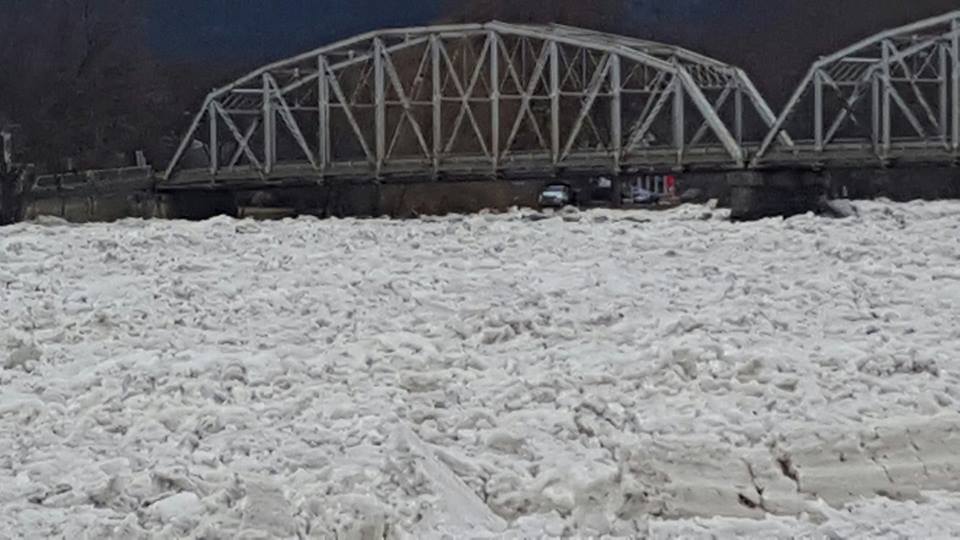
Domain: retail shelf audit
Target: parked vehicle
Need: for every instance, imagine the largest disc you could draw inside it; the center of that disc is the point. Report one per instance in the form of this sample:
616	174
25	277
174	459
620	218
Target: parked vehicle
639	195
556	196
642	196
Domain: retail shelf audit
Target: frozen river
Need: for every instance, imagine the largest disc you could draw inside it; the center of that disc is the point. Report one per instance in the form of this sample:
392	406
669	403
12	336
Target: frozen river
623	373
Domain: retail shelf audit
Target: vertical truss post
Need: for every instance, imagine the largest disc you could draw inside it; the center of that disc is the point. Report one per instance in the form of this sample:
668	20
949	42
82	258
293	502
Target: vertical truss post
323	103
380	104
875	112
944	75
679	133
435	59
555	102
818	110
887	98
616	112
738	114
955	98
494	98
269	127
214	144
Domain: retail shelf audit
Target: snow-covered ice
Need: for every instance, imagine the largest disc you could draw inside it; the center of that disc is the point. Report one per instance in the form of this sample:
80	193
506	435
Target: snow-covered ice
662	374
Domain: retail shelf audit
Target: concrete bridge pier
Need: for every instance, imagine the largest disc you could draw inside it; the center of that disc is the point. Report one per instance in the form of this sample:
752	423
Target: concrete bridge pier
901	184
766	193
200	204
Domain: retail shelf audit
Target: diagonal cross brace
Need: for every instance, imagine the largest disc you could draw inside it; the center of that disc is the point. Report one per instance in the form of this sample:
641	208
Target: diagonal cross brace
405	100
244	142
287	116
645	123
345	105
525	107
465	95
593	90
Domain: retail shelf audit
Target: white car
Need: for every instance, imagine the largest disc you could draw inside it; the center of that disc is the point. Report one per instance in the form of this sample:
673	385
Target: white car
638	195
556	196
643	196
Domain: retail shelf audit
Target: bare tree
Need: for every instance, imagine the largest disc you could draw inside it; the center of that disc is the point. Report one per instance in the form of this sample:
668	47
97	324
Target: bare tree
80	80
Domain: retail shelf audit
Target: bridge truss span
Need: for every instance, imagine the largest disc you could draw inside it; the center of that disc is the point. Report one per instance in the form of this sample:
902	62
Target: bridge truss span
476	100
892	97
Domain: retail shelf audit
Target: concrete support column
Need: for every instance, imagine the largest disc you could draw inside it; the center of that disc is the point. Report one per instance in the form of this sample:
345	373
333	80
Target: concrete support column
760	194
616	191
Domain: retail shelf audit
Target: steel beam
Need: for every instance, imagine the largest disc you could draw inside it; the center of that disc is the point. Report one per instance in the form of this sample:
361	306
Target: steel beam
944	87
876	114
616	112
283	109
380	103
406	102
818	110
494	52
437	107
214	143
886	110
760	104
679	128
713	119
555	101
269	127
955	96
243	142
738	114
850	103
348	112
911	78
187	139
592	91
645	121
526	99
323	107
717	106
465	97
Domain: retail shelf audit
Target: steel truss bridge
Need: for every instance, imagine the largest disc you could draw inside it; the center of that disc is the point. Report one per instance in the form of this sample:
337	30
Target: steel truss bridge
507	100
892	97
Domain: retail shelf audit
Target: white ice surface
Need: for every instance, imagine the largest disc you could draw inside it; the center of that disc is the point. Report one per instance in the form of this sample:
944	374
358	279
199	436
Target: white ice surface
665	374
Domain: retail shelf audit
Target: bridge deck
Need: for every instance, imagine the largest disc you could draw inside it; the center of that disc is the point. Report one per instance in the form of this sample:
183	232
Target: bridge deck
804	156
456	169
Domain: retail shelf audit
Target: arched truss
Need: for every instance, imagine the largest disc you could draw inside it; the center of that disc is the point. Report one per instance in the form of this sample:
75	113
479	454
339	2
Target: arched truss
478	99
893	96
